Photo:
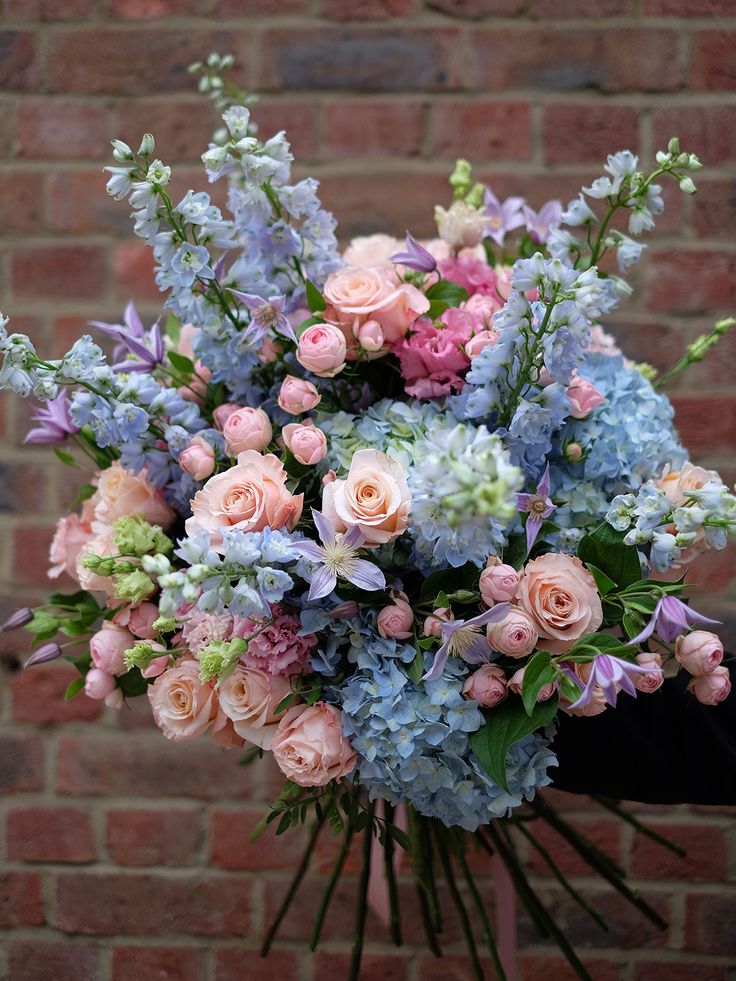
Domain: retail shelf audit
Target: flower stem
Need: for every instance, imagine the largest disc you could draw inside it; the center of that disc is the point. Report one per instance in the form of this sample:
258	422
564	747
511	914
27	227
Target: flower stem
458	843
393	893
330	888
444	853
362	906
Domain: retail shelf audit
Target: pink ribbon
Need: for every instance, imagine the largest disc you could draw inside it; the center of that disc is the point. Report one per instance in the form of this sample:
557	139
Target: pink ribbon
506	935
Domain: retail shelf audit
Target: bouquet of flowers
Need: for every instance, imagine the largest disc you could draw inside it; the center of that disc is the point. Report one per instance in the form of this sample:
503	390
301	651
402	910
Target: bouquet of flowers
382	514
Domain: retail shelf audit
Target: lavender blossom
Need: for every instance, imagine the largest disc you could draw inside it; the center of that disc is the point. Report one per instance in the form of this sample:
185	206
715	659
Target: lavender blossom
147	348
268	313
465	639
671	617
337	556
610	674
415	257
502	217
540	223
55	423
538	505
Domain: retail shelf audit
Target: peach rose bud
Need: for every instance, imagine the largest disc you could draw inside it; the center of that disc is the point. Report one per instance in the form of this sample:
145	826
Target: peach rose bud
487	685
396	621
322	350
247	429
433	624
306	441
222	413
499	584
98	683
479	342
370	336
710	689
298	395
141	619
699	652
516	685
198	459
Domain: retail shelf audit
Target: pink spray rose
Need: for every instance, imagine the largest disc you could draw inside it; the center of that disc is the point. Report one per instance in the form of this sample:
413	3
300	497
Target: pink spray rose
182	706
375	497
297	396
699	652
222	413
306	441
370	336
433	624
499	583
121	493
250	496
515	635
654	679
198	459
108	645
584	397
712	688
516	685
138	619
479	342
561	596
277	649
486	685
72	534
247	429
396	620
322	350
309	746
98	683
249	698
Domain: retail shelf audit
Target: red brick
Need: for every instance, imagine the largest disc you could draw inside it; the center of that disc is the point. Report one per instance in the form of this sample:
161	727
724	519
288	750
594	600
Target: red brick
30	555
149	905
58	130
711	61
148	765
159	963
371	59
110	61
482	130
18	60
688	8
710	922
705	424
714	211
49	834
605	834
690	282
366	9
64	271
564	60
568	9
78	202
182	129
709	131
260	8
233	849
712	572
139	838
556	968
21	763
297	118
25	486
706	847
452	967
48	9
280	965
133	265
354	128
21	201
373	967
150	9
475	9
677	971
52	960
21	903
38	696
587	133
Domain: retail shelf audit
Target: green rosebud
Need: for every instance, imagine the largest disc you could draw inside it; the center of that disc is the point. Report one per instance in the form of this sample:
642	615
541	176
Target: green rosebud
102	566
461	178
134	587
139	655
219	658
135	536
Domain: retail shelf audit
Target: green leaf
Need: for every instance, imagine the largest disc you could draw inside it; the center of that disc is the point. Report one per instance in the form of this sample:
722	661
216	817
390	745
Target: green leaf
314	696
505	726
66	458
437	308
73	689
415	670
464	596
42	623
83	494
309	322
133	683
540	671
181	363
286	702
173	328
448	580
453	294
315	300
399	836
604	583
632	624
441	600
604	548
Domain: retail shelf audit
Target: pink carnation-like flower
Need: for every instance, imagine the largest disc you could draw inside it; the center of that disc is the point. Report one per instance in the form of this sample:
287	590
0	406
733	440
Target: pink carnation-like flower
472	273
71	536
277	649
201	629
432	358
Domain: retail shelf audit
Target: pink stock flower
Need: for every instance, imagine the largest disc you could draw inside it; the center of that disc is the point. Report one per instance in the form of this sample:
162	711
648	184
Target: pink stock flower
182	706
322	350
699	652
432	358
278	648
487	685
198	459
297	396
584	397
309	746
247	429
306	441
712	688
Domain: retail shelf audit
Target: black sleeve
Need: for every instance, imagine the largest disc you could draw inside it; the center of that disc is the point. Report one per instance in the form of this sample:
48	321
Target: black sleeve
664	748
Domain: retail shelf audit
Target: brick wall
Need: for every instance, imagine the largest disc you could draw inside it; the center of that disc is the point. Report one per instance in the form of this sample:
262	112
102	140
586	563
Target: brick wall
124	856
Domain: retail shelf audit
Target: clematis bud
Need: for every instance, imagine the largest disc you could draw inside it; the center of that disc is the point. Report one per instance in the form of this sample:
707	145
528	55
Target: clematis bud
18	619
49	652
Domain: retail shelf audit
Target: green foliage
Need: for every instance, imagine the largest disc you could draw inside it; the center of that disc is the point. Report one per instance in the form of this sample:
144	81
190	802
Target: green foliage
505	726
604	549
443	295
540	671
315	300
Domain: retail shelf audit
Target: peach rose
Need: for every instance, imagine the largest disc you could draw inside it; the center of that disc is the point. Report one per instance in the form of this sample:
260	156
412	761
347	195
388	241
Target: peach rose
298	395
487	685
677	483
322	350
479	342
561	596
515	635
247	429
138	619
306	441
182	706
309	746
121	493
107	647
355	294
250	496
375	496
249	697
70	537
654	679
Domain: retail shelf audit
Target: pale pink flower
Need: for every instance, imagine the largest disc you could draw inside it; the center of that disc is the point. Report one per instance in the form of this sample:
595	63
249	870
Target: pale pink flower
108	645
71	536
515	635
486	685
247	429
121	493
584	397
198	459
278	648
309	746
396	620
98	684
710	689
298	395
561	596
699	652
182	706
249	697
306	441
499	583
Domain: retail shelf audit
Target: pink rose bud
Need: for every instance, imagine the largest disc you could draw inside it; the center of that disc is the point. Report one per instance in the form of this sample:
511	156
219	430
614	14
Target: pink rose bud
710	689
487	685
699	652
196	390
329	478
270	350
479	342
433	624
499	584
141	619
247	429
650	682
297	396
515	635
397	620
573	452
307	443
198	459
115	700
157	665
584	397
516	684
322	350
107	647
222	413
370	336
98	683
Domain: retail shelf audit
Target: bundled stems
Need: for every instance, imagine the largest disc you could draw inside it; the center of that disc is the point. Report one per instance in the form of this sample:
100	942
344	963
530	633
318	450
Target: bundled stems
458	844
330	888
362	905
393	893
416	854
444	852
613	807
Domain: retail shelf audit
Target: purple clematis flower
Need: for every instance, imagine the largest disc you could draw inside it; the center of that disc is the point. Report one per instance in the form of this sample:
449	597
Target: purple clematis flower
539	506
502	217
415	256
610	673
268	314
147	348
670	618
338	556
539	223
465	639
55	423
